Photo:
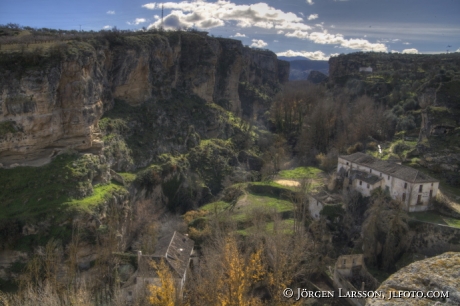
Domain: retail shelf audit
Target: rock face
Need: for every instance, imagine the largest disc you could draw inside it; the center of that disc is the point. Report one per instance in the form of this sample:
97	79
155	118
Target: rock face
440	273
57	105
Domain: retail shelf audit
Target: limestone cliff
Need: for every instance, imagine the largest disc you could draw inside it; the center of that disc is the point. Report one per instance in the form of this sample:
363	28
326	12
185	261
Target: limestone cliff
440	273
54	101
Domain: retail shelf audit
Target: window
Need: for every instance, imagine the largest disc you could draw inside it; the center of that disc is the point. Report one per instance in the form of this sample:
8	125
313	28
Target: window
431	194
353	261
370	170
431	184
360	183
404	197
405	185
420	188
347	163
419	199
380	174
388	177
350	181
367	186
317	203
344	262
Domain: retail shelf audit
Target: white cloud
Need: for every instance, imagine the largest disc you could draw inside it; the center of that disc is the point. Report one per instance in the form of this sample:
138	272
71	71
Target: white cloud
410	51
258	43
310	2
275	41
458	50
316	55
406	43
332	26
338	39
156	17
239	35
111	12
301	14
206	15
394	51
137	21
107	27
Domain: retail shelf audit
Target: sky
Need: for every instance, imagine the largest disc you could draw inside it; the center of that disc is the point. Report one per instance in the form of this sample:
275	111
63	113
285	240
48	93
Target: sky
316	29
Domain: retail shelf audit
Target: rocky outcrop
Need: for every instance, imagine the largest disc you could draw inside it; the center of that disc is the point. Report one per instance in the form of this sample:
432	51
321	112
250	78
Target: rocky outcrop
57	106
440	273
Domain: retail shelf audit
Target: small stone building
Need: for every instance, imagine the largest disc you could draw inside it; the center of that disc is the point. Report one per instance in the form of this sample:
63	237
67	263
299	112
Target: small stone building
365	69
317	201
365	173
176	250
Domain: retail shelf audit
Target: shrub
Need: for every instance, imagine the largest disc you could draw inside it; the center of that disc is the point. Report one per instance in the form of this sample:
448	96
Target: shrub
357	147
405	123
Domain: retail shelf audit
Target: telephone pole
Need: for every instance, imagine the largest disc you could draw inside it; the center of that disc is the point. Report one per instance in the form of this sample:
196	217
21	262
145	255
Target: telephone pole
162	16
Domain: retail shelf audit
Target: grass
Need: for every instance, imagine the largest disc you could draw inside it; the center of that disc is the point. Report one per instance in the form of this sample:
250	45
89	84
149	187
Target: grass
300	173
219	206
128	177
261	204
286	226
434	217
33	192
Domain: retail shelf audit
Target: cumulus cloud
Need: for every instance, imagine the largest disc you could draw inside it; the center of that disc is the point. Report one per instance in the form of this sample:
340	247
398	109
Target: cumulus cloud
258	43
406	43
111	12
316	55
394	51
410	51
338	39
458	50
107	27
206	15
137	21
239	35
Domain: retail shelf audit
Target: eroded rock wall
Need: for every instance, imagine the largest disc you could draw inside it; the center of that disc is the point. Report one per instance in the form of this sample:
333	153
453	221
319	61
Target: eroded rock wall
48	108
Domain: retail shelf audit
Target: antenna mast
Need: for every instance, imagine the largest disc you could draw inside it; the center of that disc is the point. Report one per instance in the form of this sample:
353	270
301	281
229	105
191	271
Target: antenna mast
162	16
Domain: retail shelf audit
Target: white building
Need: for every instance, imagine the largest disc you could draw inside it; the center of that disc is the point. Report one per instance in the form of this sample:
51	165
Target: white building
365	69
365	173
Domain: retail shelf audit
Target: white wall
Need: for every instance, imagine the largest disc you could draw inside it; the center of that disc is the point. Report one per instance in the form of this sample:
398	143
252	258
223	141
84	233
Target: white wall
395	187
314	206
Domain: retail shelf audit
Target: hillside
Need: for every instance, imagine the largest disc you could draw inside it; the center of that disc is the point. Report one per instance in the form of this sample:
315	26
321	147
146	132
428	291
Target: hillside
107	122
422	96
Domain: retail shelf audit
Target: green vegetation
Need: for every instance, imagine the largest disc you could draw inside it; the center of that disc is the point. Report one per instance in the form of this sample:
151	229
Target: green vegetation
300	173
434	217
63	185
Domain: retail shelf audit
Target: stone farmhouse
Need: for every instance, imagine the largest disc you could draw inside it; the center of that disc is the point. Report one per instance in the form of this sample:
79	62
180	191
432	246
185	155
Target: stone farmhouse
365	173
176	250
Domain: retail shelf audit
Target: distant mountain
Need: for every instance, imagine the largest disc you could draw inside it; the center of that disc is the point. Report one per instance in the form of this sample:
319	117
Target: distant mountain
302	66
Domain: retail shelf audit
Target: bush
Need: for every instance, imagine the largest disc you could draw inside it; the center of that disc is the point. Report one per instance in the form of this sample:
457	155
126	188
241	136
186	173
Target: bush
357	147
398	110
410	105
405	123
372	146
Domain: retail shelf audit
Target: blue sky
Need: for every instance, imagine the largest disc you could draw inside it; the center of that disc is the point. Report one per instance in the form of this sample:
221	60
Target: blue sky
316	29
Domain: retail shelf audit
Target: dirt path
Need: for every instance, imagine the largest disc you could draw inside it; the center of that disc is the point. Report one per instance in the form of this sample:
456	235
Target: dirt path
290	183
243	201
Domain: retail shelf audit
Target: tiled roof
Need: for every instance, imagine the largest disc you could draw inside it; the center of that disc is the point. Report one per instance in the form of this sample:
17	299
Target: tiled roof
403	172
364	176
175	249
